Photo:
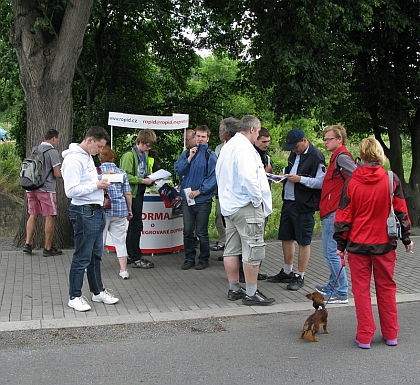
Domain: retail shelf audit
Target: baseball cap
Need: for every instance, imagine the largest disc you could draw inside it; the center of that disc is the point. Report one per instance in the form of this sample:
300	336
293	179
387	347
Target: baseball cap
293	138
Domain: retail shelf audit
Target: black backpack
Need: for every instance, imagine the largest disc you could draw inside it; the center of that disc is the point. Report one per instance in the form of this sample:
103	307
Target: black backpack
31	175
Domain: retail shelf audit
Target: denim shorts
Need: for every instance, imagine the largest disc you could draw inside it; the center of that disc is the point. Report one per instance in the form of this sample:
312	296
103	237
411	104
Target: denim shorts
245	235
295	225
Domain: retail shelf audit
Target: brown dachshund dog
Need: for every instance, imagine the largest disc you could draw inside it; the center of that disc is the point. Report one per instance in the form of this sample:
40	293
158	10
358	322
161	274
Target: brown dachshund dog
315	320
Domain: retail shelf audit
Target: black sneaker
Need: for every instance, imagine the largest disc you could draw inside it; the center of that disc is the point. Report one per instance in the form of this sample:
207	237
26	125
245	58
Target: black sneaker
235	295
51	252
258	299
201	265
281	277
27	248
187	265
142	263
296	283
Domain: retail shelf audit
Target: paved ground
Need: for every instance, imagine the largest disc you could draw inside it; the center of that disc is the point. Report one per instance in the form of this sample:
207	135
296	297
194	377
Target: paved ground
34	289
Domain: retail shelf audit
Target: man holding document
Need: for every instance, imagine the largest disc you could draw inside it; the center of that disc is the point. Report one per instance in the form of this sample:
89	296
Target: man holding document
138	167
196	169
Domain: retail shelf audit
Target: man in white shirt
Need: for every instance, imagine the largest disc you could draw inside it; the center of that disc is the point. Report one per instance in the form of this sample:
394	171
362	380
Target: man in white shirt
83	186
245	202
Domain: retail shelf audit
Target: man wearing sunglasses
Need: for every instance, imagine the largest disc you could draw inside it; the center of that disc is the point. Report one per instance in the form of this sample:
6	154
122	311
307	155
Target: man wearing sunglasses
341	167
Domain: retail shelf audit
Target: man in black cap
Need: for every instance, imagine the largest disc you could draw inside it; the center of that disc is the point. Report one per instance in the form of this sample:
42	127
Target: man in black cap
305	173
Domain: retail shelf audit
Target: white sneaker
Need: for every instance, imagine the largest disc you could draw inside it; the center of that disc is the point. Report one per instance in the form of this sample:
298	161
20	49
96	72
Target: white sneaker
79	304
124	274
105	297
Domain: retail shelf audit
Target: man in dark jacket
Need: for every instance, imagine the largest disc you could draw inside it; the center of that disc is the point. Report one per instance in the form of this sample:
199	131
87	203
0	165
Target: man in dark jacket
305	173
196	169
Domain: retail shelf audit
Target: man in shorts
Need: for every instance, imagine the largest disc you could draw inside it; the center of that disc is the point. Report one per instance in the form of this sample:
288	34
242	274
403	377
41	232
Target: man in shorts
245	202
305	174
43	201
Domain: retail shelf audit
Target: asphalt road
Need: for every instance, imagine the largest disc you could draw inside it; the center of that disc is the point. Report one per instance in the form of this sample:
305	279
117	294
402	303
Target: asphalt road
260	349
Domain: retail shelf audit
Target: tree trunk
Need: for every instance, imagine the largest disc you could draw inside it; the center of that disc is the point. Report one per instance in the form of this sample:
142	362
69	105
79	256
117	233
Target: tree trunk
47	64
412	191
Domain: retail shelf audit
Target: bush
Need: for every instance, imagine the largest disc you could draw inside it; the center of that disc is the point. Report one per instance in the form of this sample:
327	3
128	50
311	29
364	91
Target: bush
9	169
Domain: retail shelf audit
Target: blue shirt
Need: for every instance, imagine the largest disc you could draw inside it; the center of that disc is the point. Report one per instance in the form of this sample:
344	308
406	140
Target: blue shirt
116	191
199	174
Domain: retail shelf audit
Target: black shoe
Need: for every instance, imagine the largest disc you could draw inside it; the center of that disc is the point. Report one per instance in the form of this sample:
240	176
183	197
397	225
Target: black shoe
261	277
218	247
201	265
235	295
51	252
142	263
220	258
187	265
27	248
296	283
258	299
281	277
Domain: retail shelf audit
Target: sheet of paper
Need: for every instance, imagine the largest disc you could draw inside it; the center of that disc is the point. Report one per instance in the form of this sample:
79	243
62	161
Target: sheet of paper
276	178
160	174
114	178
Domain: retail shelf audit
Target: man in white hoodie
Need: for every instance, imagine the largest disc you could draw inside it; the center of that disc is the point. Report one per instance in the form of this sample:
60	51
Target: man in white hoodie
86	190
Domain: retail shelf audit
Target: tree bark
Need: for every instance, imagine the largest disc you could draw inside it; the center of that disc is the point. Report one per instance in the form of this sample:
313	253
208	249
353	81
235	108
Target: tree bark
412	191
47	64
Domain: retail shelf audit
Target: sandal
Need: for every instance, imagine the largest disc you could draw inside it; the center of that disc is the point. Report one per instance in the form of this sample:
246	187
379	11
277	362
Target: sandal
143	263
218	247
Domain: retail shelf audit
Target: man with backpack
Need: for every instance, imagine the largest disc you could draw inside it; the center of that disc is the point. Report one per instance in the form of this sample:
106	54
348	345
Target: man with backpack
43	200
340	169
196	169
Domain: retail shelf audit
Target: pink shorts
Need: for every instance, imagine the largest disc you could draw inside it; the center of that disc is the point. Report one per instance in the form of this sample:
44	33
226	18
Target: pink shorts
42	202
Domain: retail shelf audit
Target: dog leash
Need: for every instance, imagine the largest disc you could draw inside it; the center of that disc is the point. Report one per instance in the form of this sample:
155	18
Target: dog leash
343	263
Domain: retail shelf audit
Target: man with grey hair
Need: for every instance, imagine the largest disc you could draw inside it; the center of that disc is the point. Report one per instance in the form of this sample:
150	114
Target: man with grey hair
245	201
227	129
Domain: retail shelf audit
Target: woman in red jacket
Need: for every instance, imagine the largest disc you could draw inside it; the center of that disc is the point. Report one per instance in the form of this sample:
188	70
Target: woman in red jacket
361	228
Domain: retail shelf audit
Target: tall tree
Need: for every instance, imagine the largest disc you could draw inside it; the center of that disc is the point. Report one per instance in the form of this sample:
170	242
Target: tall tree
48	38
350	62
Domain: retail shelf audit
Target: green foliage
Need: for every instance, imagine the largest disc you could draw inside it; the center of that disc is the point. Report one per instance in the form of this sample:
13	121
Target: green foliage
9	169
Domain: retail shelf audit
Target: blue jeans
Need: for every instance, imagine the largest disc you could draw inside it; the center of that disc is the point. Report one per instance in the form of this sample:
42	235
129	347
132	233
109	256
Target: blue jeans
196	216
88	225
329	247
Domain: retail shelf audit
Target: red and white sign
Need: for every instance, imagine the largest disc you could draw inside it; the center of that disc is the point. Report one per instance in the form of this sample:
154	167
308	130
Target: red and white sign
174	122
161	233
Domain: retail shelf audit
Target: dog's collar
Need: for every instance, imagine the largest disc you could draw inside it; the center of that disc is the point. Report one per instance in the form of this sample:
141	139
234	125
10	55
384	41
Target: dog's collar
320	307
